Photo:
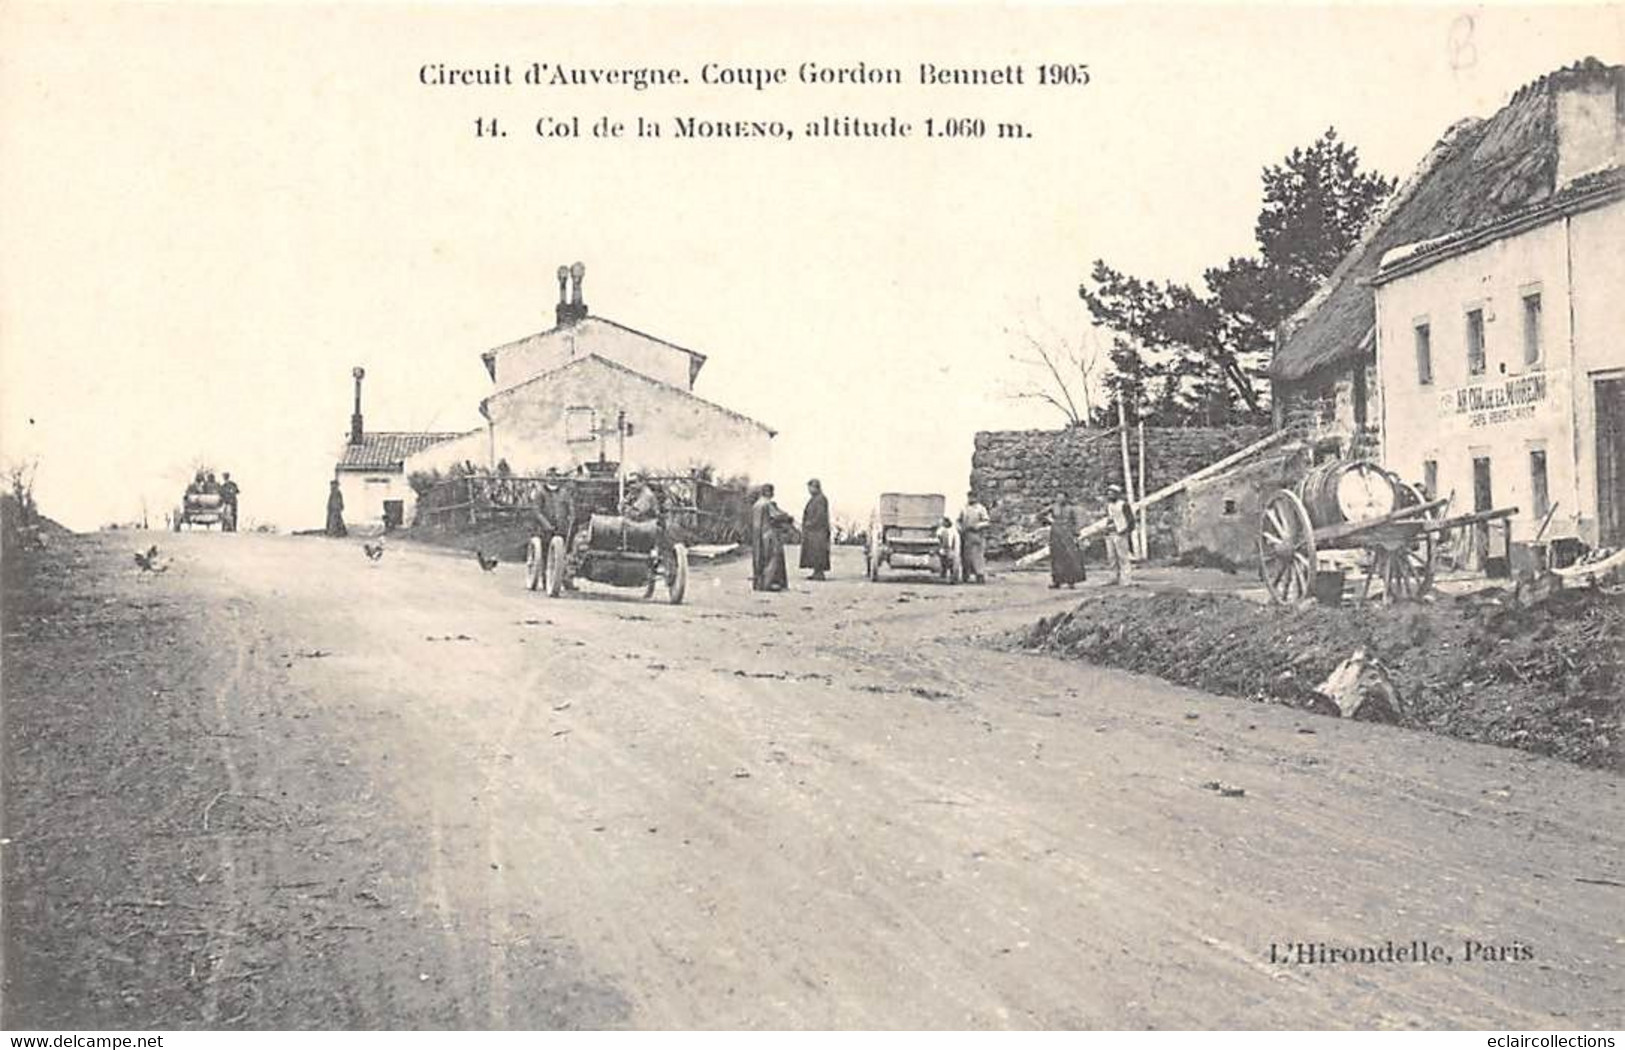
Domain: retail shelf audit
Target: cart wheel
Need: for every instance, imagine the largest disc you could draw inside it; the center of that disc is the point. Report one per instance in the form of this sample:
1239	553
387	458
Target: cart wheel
533	563
677	578
553	571
1394	568
1419	557
1286	548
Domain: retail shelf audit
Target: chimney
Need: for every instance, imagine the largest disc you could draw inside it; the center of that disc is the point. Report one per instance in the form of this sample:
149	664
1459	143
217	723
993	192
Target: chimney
355	417
571	310
1590	109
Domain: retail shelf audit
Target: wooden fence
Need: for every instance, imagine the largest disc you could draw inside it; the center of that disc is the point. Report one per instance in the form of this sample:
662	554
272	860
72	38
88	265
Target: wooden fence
696	511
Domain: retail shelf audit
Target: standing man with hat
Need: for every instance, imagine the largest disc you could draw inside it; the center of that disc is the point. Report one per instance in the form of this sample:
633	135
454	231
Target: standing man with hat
554	513
815	531
1120	519
229	491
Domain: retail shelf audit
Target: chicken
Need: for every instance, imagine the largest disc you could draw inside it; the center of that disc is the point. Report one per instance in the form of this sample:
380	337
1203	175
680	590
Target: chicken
147	560
487	563
374	550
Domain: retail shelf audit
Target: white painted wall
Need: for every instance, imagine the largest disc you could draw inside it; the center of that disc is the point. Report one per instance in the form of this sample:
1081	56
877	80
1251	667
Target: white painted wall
1548	404
672	431
364	496
473	447
531	356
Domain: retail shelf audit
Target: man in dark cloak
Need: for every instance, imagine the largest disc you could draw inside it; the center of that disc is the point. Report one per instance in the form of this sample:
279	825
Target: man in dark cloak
335	510
815	531
1065	558
767	546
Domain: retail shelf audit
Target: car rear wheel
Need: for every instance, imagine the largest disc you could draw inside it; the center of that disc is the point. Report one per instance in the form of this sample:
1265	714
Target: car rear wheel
677	581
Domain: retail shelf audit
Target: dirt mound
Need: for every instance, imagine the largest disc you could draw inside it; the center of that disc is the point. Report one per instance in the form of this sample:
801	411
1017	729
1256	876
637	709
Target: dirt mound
1546	678
503	540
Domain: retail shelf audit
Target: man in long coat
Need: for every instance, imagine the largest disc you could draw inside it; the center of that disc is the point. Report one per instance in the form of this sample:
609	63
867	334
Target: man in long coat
973	524
815	531
766	545
1065	558
335	510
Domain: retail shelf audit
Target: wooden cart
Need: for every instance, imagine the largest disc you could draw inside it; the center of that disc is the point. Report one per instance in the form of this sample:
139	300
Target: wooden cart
1358	505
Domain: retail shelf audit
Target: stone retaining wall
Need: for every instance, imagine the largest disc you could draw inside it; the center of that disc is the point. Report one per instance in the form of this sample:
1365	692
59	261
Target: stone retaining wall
1016	473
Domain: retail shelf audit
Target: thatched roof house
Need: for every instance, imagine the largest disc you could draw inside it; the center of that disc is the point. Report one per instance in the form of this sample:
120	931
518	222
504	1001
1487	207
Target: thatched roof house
1479	172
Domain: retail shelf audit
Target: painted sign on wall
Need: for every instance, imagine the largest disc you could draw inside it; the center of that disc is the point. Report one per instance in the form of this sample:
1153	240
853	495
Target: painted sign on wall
1494	403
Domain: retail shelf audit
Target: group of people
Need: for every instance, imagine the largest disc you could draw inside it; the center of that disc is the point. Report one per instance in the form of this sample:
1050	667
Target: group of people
964	542
964	545
1066	554
204	484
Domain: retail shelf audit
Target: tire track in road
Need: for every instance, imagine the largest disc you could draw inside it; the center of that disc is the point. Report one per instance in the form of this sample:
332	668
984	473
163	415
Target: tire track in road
221	942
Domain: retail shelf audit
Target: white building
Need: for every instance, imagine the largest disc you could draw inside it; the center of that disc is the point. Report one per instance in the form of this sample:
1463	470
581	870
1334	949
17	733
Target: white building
1501	358
1473	338
372	476
592	391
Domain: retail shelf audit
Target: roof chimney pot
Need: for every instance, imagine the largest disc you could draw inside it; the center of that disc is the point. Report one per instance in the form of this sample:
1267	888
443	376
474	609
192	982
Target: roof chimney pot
358	373
574	310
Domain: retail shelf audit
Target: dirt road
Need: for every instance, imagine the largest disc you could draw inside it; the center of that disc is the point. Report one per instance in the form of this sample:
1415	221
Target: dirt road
281	786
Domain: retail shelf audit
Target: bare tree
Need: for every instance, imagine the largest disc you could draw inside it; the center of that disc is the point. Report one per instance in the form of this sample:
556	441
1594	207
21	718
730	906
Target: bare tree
1059	373
20	479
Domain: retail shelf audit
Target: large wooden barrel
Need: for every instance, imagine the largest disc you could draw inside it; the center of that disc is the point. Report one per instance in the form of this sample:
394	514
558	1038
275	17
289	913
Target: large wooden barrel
1347	491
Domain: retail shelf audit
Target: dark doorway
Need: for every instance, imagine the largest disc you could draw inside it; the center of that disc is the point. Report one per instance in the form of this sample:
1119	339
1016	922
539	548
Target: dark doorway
1610	402
394	514
1482	498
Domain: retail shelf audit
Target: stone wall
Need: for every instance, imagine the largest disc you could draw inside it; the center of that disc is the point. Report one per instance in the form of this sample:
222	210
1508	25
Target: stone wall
1222	515
1016	473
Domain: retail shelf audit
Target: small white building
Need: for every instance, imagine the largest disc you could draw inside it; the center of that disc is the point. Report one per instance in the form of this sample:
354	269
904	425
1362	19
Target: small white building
1501	358
372	476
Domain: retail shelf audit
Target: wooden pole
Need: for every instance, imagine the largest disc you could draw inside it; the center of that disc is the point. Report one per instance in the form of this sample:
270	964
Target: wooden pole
1172	489
1141	525
1122	441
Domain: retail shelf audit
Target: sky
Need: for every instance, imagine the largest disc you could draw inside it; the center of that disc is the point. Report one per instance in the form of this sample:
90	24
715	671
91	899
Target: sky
211	214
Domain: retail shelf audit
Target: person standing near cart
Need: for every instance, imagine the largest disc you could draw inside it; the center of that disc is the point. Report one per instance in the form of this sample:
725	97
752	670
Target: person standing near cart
1120	526
973	523
228	496
554	512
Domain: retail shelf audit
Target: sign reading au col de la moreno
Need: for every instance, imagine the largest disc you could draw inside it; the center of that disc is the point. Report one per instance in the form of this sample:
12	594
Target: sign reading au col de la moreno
1496	402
